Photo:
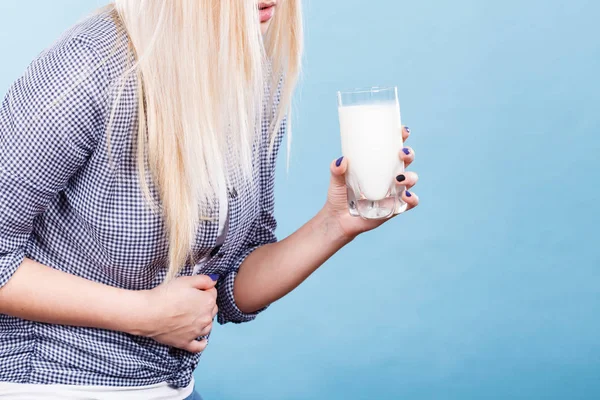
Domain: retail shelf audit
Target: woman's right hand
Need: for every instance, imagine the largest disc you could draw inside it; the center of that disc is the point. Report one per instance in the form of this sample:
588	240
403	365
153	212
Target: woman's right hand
182	311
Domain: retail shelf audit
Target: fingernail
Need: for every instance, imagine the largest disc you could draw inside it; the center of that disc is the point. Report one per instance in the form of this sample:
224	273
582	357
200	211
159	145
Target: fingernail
339	161
408	194
406	150
214	277
400	178
407	129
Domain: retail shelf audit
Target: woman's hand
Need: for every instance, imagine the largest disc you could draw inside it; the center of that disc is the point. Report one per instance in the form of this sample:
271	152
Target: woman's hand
337	200
181	312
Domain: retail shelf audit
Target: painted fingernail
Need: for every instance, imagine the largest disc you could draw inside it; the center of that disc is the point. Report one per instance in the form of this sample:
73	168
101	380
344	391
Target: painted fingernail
407	129
400	178
408	194
406	150
214	277
339	161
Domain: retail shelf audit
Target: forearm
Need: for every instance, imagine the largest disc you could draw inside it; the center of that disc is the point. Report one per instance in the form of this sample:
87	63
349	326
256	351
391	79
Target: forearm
40	293
274	270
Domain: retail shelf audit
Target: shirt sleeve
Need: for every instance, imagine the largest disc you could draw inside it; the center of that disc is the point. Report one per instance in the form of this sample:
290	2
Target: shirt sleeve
49	124
262	232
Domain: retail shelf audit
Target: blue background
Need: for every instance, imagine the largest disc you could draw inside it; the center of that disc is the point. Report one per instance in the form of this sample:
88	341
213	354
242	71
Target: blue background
491	288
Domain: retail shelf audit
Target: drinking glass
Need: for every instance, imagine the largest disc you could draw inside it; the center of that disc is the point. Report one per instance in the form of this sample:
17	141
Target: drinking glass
371	134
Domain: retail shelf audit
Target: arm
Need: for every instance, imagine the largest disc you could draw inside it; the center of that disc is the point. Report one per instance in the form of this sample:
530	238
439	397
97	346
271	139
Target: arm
50	122
278	268
48	128
39	293
175	314
275	267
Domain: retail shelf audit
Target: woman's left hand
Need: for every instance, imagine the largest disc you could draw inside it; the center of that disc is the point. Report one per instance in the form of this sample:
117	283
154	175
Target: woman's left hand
337	198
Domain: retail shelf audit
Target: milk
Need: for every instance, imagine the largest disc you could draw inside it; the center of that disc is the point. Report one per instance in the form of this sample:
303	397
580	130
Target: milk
371	142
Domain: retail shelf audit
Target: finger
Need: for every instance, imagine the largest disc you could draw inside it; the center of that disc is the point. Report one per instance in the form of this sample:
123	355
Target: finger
411	199
207	329
201	282
196	346
215	311
405	133
338	169
407	179
407	155
213	292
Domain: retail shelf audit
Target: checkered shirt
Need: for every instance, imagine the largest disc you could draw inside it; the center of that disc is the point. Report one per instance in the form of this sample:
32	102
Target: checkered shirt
64	204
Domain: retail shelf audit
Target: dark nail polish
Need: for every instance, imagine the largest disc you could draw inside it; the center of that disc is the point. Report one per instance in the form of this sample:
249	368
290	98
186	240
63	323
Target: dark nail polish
400	178
214	277
407	129
339	161
408	194
406	150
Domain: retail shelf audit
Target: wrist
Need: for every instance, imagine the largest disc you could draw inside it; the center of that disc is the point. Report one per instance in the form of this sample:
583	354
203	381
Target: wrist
136	317
329	223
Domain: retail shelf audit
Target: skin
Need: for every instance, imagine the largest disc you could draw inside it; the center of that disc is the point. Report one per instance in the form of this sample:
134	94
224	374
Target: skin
264	26
280	267
176	313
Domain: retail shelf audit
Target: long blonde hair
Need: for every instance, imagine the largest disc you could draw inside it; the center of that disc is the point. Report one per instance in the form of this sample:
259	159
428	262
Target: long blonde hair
206	80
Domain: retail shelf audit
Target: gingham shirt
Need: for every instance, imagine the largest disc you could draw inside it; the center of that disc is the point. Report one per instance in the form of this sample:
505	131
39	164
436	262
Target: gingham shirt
63	204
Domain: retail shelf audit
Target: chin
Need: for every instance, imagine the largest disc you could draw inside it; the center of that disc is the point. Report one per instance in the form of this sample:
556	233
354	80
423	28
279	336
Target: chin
264	27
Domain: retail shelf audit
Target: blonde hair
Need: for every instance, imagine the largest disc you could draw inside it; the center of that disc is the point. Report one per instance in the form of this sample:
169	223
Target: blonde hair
206	80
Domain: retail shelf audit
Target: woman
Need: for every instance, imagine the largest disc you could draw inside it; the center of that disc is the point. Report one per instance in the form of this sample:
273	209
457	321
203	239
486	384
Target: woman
136	196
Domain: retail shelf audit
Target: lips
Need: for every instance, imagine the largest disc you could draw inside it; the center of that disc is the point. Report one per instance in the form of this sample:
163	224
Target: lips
266	4
266	11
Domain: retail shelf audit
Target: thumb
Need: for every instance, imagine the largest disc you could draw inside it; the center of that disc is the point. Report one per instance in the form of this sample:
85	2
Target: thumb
338	172
203	282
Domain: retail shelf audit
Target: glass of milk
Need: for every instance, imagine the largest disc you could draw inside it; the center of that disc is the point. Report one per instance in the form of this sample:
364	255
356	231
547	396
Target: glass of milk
371	142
